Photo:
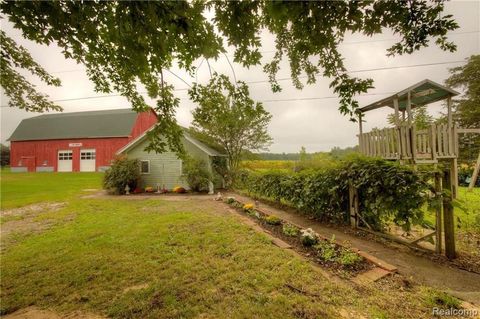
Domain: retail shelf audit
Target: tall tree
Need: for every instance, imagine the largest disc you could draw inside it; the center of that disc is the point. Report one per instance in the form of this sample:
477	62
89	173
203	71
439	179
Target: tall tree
466	108
421	118
229	119
22	93
127	43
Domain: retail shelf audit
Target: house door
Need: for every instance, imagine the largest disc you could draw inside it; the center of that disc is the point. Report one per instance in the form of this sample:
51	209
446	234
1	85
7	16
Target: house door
87	160
64	161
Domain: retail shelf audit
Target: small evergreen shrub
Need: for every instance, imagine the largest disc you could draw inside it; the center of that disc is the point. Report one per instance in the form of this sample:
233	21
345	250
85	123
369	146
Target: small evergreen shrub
196	174
122	172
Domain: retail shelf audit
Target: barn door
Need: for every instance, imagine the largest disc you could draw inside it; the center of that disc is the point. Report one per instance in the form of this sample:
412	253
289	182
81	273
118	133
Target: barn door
64	161
87	160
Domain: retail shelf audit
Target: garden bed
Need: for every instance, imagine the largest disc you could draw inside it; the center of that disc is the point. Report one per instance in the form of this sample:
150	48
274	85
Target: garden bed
340	259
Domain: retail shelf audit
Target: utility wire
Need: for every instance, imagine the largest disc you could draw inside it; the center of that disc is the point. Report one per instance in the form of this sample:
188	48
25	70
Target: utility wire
320	98
280	79
272	51
370	70
178	77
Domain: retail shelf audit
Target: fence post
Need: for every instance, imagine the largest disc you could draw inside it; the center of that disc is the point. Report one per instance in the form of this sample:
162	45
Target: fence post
438	213
448	220
353	204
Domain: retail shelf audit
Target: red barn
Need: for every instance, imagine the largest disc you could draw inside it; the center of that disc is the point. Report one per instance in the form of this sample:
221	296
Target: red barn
75	142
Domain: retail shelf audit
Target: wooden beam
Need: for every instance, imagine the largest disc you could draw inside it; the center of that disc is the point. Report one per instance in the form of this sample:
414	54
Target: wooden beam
475	174
409	109
352	196
448	219
438	213
433	141
416	241
454	168
360	130
412	129
468	130
449	112
397	113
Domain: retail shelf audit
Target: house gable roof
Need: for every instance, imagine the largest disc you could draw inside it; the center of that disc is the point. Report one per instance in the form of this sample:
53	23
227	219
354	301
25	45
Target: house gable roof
203	147
91	124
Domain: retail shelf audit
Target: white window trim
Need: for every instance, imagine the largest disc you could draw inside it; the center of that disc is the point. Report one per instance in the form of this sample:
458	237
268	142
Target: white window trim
92	156
145	173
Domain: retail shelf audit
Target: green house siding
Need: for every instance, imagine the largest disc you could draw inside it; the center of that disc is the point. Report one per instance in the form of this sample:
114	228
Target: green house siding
166	168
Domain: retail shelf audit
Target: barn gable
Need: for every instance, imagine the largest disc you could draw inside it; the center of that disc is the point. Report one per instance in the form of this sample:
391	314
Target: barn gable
92	124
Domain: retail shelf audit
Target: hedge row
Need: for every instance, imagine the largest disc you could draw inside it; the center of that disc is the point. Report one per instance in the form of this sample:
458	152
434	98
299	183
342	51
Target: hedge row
387	191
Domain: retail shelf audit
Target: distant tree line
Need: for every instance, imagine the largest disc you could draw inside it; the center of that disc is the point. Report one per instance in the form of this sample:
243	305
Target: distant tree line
336	152
4	155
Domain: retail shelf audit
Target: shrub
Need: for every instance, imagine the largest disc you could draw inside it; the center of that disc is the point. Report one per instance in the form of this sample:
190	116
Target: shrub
273	220
327	249
290	230
122	172
230	200
196	174
387	191
348	258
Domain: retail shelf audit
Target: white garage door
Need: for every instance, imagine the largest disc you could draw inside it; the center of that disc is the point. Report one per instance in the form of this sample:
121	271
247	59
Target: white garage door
87	160
64	161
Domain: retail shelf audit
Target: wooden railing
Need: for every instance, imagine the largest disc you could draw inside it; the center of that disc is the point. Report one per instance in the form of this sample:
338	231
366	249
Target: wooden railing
405	142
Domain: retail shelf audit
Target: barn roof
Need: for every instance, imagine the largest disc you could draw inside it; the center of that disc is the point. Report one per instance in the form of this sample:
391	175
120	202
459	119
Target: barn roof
91	124
421	93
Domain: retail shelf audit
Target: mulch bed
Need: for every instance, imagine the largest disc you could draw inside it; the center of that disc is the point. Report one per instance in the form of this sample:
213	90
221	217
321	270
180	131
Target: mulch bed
311	253
465	260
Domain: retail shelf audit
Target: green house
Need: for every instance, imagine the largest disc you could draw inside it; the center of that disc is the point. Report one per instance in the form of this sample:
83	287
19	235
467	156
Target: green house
165	170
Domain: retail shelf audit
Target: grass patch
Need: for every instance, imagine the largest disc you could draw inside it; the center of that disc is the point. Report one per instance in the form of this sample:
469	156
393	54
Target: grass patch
161	259
21	189
441	299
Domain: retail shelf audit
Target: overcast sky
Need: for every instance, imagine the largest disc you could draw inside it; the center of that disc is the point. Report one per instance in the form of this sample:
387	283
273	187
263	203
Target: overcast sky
309	117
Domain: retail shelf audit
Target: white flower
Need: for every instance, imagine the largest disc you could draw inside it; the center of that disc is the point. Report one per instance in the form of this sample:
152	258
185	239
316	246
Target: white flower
309	233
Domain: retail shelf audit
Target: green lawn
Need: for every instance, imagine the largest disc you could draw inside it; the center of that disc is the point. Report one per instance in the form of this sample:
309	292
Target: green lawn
470	215
171	259
20	189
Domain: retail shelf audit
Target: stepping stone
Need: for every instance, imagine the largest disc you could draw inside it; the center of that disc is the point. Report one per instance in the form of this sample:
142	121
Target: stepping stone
380	263
371	276
280	243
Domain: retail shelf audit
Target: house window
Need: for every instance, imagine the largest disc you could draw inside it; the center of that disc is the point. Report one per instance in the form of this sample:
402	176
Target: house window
145	167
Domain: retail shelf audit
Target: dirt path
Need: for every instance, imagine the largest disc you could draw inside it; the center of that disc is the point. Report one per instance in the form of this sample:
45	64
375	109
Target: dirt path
460	283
